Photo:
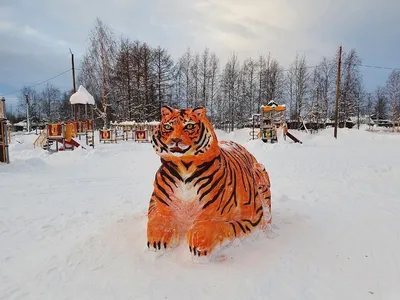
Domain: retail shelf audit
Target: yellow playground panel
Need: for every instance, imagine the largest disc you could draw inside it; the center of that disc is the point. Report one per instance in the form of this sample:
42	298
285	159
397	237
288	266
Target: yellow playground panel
70	131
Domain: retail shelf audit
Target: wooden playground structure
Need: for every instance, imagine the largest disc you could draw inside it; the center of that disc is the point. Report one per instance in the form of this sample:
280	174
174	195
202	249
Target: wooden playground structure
4	136
271	118
65	134
69	135
124	131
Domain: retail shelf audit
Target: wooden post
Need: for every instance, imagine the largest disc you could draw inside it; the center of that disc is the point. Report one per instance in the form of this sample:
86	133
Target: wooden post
27	113
4	154
358	113
337	91
73	83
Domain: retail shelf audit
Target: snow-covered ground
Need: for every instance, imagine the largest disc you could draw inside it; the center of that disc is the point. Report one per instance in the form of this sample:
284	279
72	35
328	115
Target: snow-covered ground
73	225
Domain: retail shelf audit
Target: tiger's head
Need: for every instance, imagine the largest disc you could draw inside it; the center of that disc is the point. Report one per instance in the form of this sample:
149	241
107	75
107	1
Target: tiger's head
184	133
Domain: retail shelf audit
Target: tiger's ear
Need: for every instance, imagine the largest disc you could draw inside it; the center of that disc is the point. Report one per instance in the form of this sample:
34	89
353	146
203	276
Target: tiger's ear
166	111
199	112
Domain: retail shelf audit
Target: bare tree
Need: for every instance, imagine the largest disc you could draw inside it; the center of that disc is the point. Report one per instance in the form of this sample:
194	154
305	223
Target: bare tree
214	69
368	107
64	107
162	68
351	85
179	84
393	90
98	66
327	77
262	70
50	98
380	103
33	103
322	90
195	73
274	80
249	86
123	80
298	84
205	75
230	82
186	63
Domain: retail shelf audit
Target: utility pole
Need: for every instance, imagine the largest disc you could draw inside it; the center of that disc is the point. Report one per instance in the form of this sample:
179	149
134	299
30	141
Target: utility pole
27	112
358	112
337	91
73	80
73	70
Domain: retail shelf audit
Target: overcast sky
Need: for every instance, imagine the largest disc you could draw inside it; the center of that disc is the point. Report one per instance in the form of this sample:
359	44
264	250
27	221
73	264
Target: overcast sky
35	35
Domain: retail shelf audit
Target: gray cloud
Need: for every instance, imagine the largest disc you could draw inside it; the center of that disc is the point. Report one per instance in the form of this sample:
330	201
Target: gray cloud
35	35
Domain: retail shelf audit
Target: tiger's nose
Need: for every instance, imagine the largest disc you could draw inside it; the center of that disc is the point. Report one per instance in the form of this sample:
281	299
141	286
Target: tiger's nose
176	140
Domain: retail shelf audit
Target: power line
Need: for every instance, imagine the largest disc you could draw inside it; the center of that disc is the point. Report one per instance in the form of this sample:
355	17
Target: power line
344	63
39	83
221	75
378	67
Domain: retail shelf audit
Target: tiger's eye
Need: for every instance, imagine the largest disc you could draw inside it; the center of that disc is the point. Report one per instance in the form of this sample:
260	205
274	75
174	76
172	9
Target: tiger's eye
189	126
167	127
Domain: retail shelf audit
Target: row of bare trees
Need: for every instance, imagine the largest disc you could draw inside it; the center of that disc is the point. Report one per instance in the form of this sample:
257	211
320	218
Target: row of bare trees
385	100
46	105
130	80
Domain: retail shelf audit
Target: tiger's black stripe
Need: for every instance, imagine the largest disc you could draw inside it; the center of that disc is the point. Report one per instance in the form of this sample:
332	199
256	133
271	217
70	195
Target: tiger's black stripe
164	174
234	229
159	199
243	170
207	180
201	147
215	197
173	170
161	189
205	193
241	226
201	135
187	165
257	222
201	169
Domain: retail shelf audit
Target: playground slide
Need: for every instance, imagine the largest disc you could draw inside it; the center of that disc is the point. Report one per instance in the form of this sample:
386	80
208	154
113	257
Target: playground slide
74	143
296	140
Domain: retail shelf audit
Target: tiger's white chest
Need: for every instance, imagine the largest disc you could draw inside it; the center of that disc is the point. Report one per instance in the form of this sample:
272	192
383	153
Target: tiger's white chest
186	193
186	205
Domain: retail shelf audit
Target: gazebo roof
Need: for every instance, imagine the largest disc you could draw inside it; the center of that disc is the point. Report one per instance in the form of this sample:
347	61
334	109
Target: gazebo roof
82	96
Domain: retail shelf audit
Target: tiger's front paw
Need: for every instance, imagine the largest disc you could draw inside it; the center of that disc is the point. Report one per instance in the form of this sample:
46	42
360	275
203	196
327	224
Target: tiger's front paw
162	233
204	236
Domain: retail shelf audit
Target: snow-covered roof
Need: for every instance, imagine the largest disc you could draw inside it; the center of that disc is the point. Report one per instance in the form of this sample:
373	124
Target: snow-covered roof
21	124
82	96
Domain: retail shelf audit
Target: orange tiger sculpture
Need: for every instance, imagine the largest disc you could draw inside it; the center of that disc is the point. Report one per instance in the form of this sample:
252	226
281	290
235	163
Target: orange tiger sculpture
211	191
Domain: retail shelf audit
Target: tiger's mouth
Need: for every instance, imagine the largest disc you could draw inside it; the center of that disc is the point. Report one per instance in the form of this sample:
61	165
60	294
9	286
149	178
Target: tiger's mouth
179	148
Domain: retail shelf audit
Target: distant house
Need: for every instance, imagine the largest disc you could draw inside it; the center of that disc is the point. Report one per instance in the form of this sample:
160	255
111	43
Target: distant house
23	125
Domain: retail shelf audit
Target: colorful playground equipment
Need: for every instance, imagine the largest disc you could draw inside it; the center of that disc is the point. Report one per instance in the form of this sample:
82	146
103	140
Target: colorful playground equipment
124	131
70	134
65	134
271	118
4	137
